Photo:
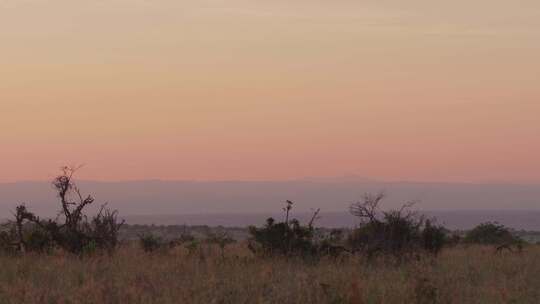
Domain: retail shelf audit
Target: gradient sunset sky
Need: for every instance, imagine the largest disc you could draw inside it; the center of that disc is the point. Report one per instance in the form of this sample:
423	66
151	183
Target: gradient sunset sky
261	90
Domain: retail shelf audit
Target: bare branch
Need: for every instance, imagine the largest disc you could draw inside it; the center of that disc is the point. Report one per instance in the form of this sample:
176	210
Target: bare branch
368	208
314	217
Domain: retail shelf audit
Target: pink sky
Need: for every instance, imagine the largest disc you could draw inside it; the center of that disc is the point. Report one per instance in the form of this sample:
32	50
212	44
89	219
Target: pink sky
237	89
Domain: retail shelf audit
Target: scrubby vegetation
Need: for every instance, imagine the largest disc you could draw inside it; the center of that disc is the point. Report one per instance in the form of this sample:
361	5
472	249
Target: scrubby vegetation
398	232
392	256
71	231
490	234
287	238
151	243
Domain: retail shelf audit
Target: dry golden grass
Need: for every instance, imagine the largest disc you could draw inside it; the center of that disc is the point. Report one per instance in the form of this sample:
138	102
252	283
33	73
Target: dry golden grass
458	275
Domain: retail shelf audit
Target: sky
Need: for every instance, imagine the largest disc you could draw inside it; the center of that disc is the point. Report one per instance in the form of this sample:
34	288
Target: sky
270	90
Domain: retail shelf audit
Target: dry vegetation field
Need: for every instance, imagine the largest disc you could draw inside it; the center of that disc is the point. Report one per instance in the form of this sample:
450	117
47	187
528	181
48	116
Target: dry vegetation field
473	274
79	259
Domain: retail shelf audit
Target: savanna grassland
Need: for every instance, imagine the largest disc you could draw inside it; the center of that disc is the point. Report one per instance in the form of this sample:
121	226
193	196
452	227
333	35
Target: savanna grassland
393	256
472	274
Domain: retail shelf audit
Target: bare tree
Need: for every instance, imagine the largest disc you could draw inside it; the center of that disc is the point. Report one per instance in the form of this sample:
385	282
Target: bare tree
287	210
314	218
368	208
20	215
398	231
76	232
72	210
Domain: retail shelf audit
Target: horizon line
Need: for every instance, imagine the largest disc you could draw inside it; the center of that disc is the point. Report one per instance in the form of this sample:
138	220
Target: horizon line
315	179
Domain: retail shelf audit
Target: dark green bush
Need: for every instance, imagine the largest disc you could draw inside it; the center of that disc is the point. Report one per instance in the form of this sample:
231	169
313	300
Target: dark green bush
434	237
38	240
331	243
282	238
104	229
150	243
396	232
288	238
8	242
490	233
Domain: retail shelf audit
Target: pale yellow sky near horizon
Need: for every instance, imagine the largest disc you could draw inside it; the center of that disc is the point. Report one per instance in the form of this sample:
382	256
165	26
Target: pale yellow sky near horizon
238	89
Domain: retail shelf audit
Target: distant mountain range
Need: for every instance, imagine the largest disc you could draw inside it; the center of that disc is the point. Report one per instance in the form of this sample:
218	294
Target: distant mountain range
331	195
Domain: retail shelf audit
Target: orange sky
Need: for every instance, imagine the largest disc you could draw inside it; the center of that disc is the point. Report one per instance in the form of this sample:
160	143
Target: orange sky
252	89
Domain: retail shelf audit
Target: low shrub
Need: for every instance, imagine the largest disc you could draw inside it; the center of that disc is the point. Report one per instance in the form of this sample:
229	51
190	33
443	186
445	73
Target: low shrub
396	232
288	238
434	237
150	242
38	240
283	238
8	243
490	233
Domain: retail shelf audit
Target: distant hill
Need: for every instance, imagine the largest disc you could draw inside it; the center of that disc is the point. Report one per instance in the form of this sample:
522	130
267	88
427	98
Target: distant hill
331	195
